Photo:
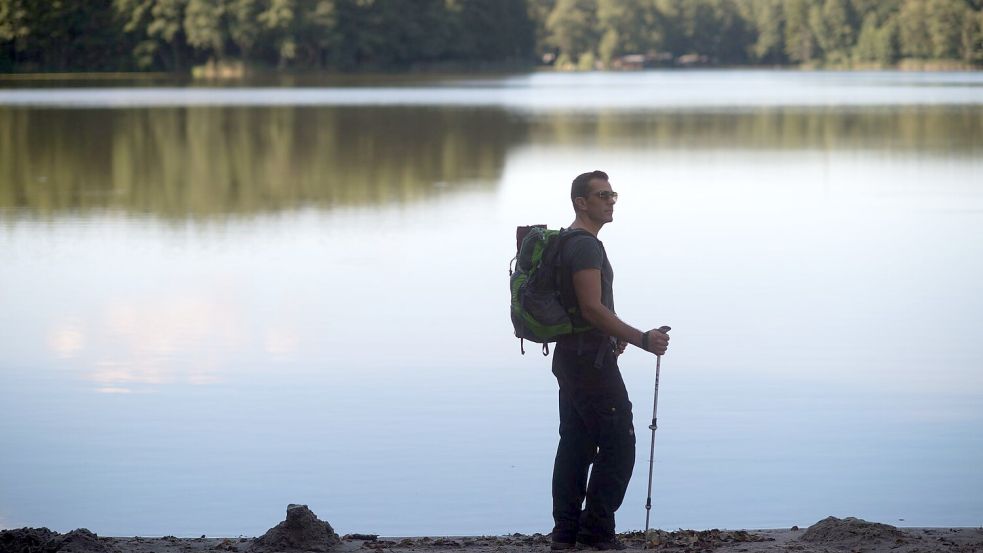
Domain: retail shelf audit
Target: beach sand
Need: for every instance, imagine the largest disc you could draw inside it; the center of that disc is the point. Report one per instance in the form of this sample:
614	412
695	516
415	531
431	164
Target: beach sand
302	531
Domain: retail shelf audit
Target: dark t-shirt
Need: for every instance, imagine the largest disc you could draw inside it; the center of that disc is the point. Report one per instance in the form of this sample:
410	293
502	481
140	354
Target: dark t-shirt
584	251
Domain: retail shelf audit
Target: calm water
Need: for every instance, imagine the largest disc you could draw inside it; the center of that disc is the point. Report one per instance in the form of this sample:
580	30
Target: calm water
215	302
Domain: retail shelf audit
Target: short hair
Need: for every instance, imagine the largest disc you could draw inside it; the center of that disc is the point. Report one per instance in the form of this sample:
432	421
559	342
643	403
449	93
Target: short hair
580	185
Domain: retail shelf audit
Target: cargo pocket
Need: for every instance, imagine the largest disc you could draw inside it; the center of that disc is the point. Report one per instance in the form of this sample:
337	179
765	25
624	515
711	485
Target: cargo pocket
614	423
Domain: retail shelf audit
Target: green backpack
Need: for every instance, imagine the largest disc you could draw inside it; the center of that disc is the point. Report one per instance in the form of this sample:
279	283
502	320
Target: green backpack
538	310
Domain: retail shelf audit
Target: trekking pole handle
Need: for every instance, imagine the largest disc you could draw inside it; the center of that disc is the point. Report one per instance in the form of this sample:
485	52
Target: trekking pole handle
665	330
658	365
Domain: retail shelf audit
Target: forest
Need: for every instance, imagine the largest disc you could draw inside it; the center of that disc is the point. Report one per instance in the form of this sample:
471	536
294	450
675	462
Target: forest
180	36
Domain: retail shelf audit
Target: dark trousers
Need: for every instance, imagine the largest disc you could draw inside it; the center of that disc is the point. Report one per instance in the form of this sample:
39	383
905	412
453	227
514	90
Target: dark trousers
595	429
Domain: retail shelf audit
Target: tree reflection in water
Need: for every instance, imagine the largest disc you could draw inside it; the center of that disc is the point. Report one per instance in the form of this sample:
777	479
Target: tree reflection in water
177	163
194	162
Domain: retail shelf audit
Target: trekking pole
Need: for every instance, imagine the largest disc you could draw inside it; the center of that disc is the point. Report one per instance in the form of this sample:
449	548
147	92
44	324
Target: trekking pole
653	426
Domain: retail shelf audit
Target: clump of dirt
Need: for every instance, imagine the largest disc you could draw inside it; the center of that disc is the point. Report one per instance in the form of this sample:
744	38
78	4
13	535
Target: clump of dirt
301	531
42	540
690	540
852	532
81	541
25	540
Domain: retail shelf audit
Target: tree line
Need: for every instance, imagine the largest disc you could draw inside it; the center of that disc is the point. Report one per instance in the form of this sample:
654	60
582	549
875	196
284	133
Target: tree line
838	33
353	35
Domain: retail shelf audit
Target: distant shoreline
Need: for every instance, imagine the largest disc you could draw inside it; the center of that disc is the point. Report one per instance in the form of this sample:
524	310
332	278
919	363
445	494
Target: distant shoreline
249	74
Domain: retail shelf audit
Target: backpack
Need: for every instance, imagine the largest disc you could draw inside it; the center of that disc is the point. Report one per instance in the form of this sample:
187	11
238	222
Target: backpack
537	283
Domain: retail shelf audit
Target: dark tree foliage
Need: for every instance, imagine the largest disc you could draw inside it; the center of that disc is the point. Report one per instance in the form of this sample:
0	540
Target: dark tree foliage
62	35
355	35
838	33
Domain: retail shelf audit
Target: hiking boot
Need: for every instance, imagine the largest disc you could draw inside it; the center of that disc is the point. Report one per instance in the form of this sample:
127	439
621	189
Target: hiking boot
563	546
609	544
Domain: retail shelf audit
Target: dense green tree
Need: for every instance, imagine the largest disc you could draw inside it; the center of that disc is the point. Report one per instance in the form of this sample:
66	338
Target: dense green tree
720	32
167	27
572	28
877	43
866	48
627	28
206	26
486	31
316	32
13	31
944	25
800	43
352	35
13	20
834	26
768	18
673	37
913	29
394	36
279	23
972	38
245	26
887	43
538	11
135	14
156	28
60	35
883	9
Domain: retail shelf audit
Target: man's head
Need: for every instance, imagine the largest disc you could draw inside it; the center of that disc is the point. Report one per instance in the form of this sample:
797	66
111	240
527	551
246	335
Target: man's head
593	198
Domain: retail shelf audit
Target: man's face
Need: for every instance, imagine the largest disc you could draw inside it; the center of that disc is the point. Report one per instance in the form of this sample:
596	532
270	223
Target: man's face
599	202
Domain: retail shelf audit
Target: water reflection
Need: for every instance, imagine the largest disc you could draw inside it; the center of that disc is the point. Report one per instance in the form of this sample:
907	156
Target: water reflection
194	162
133	344
945	130
176	163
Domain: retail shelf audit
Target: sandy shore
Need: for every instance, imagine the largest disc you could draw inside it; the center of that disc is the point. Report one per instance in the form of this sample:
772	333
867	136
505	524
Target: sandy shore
918	540
830	535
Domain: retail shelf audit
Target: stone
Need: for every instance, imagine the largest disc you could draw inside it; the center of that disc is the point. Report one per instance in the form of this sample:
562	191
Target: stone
850	532
301	531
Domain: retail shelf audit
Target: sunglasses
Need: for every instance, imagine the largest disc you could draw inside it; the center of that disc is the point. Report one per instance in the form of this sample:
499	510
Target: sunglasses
606	195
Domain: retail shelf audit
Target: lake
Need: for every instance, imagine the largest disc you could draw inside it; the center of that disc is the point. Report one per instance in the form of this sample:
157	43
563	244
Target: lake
218	300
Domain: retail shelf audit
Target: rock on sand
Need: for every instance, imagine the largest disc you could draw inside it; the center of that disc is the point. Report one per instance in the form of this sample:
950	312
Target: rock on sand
301	531
851	532
42	540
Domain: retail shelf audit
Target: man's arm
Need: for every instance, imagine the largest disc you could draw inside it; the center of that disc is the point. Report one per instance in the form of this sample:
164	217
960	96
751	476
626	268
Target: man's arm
587	287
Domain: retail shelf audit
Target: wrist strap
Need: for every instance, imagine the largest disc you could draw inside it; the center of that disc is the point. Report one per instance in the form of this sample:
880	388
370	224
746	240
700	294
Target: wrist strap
645	341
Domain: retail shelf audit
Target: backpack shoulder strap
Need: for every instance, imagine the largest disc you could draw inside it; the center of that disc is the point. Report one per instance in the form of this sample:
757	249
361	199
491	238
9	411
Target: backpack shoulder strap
567	234
563	280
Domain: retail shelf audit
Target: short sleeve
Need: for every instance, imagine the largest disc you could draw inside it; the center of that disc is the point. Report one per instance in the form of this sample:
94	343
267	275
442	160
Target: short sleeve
583	252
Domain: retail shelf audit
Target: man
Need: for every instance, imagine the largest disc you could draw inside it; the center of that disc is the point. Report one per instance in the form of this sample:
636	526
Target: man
595	414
